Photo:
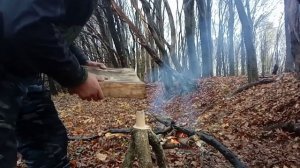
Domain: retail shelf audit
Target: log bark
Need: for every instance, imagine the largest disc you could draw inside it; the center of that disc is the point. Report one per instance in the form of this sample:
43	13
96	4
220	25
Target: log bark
129	157
247	28
157	148
139	147
142	148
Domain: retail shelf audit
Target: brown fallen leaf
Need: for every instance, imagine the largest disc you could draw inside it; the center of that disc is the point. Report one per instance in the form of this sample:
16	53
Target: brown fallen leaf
101	156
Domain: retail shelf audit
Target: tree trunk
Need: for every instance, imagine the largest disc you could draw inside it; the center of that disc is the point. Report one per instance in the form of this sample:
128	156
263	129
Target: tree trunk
263	53
156	34
230	38
204	36
220	42
105	35
248	38
189	14
114	33
172	47
209	34
243	55
289	61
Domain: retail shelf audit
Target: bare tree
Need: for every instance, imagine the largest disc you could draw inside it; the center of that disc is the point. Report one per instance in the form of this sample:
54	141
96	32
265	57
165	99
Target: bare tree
172	46
249	44
220	55
243	55
189	18
204	22
290	12
230	38
169	75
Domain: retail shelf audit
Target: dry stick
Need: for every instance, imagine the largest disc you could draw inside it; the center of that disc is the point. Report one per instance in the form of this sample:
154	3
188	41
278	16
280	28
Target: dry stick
116	131
83	138
158	150
123	130
249	85
230	156
291	127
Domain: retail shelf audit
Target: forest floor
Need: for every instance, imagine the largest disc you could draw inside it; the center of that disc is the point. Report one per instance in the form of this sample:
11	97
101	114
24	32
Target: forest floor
247	123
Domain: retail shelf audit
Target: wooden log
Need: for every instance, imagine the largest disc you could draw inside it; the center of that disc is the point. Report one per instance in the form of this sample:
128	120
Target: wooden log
142	148
158	149
129	157
120	82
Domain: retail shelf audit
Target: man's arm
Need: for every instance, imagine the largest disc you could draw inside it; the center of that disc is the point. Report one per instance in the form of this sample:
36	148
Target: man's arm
83	59
47	51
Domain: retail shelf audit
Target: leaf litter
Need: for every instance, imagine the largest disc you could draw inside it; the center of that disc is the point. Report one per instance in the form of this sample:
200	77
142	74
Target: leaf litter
240	122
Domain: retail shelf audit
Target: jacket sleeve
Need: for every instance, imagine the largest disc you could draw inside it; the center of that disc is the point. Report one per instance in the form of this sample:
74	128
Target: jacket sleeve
49	53
81	57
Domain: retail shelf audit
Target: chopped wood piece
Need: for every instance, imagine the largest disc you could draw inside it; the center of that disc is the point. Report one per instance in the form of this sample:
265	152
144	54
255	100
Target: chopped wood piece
120	82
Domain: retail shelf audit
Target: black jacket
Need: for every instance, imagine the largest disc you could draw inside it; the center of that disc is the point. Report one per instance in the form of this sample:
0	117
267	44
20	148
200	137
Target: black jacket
80	56
30	41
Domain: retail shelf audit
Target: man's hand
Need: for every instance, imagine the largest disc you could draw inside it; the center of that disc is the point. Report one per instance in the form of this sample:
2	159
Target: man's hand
89	90
95	64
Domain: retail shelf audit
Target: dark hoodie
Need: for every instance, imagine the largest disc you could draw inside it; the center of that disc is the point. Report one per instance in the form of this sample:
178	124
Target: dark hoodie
31	42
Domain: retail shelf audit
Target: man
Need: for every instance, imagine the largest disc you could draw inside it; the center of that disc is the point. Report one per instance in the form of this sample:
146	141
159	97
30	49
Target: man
30	43
42	137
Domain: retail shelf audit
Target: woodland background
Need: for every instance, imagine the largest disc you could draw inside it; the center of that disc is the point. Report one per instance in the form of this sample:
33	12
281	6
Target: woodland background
207	51
200	38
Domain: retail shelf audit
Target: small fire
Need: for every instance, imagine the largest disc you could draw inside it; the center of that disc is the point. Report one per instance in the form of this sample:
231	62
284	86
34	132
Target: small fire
181	135
174	141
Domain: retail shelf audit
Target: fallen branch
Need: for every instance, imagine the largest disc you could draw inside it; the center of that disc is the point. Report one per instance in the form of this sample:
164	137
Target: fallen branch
158	149
249	85
229	155
83	138
291	127
116	131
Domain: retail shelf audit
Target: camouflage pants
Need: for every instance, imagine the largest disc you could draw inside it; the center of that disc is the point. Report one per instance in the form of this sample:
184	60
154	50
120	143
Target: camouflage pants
42	137
11	94
31	126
